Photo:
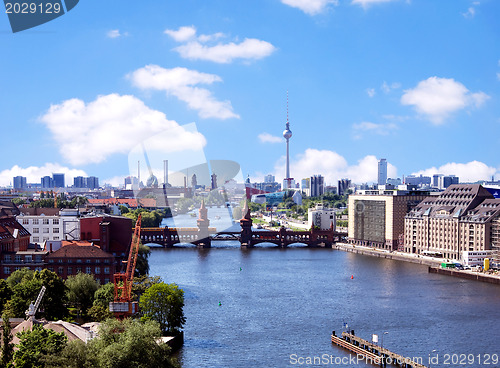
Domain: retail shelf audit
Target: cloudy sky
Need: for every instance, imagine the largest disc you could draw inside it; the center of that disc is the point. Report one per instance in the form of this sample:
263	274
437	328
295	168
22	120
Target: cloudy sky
413	81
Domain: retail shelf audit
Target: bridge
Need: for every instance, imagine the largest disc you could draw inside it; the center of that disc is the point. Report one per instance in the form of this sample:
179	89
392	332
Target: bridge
203	235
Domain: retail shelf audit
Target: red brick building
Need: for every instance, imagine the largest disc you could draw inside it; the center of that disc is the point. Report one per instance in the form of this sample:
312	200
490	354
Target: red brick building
113	234
81	256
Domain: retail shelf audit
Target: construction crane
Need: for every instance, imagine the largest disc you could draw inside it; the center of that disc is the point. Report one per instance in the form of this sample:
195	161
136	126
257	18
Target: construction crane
33	308
123	306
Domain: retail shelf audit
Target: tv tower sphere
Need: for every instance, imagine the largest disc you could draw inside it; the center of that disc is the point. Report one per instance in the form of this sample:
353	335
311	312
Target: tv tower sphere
287	133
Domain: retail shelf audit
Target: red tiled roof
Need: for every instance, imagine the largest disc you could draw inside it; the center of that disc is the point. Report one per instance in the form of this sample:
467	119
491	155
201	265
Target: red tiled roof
7	226
79	251
131	202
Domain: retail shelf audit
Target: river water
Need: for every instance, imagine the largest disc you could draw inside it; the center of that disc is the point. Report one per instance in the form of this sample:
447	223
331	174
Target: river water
269	307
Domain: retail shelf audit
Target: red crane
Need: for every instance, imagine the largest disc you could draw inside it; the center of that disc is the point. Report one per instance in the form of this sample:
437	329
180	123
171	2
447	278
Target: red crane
123	306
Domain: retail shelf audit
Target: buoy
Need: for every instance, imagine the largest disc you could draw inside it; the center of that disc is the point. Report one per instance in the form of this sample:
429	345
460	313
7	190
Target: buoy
352	277
220	304
240	268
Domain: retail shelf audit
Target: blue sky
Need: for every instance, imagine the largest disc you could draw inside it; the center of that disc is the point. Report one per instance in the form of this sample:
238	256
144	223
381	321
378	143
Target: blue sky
415	82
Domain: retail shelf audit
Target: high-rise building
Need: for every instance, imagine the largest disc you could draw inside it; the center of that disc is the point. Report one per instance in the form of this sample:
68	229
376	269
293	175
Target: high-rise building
343	186
47	182
214	181
317	185
58	180
20	182
269	179
79	182
92	182
382	171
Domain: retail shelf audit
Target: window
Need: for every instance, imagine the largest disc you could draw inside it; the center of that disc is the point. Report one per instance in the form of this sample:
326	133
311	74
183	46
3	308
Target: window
55	230
35	221
36	230
98	270
106	280
60	270
6	270
97	261
45	221
78	269
36	239
88	269
106	261
38	259
106	270
7	258
51	269
38	269
87	261
60	260
56	238
55	221
19	259
46	230
26	221
28	259
78	261
70	270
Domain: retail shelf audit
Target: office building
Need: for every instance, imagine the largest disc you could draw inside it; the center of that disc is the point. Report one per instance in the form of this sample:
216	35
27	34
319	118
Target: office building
317	185
377	217
463	218
343	186
45	224
20	182
382	171
321	217
47	182
58	180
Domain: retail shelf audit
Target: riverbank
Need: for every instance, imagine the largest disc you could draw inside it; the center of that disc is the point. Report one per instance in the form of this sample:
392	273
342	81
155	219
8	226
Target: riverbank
398	256
466	274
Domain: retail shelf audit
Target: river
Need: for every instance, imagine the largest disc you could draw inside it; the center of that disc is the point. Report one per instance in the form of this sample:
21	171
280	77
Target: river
279	306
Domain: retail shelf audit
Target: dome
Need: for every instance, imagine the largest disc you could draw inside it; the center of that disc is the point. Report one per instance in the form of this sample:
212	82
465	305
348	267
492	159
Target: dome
287	133
152	182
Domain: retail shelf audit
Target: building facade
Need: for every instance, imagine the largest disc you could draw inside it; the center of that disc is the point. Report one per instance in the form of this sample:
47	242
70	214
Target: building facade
19	182
461	219
46	224
377	217
317	185
321	217
382	171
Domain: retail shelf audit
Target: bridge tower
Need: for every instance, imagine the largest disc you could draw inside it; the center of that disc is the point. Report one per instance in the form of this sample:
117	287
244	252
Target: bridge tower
246	227
203	223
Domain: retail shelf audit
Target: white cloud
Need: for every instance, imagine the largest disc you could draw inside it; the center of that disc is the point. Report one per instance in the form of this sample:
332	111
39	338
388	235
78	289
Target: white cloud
468	172
332	166
249	49
268	138
33	174
386	88
437	98
196	48
182	83
182	34
89	133
370	92
115	181
115	33
469	13
498	76
367	126
366	3
311	7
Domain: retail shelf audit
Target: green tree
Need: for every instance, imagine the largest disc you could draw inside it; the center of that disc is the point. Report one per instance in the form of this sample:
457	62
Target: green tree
142	265
17	276
36	344
142	283
130	344
23	294
5	293
7	345
104	295
124	209
18	201
80	291
53	305
164	303
76	354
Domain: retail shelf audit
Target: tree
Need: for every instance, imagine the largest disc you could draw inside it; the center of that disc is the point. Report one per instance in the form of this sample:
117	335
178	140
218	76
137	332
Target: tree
53	305
36	344
164	303
104	295
142	283
7	345
142	265
81	290
5	294
129	344
124	209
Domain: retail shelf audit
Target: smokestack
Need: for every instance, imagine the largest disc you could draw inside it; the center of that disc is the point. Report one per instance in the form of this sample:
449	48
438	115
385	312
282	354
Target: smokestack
165	172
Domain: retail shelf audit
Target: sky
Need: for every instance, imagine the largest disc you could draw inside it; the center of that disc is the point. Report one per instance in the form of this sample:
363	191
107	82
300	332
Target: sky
413	81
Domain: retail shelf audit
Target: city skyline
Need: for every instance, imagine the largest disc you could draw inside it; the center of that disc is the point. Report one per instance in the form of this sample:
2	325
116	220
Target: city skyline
363	85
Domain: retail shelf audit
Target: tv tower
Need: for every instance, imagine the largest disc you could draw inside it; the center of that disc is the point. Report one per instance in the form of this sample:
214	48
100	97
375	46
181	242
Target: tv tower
287	134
